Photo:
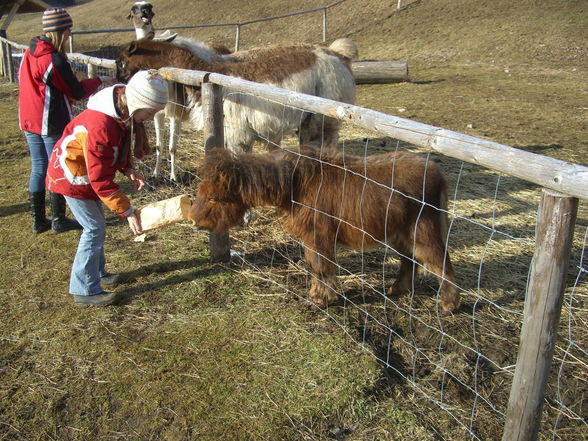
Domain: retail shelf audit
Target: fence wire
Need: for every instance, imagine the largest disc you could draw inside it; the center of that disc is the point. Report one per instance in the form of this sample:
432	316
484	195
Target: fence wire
462	365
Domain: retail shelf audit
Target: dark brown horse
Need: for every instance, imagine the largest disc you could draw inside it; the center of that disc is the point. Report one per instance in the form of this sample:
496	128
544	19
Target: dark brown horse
330	199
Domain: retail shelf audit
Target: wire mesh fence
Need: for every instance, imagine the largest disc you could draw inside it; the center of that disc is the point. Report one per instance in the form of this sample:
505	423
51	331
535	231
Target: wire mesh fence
456	369
459	368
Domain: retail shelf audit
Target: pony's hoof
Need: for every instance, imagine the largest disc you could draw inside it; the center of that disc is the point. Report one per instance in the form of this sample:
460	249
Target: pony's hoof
322	295
450	303
398	288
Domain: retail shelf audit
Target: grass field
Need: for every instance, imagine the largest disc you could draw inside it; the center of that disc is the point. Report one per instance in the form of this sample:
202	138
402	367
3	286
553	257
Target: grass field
221	352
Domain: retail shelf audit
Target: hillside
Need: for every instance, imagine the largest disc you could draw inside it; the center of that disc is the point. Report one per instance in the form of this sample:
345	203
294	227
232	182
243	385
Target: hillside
526	31
502	31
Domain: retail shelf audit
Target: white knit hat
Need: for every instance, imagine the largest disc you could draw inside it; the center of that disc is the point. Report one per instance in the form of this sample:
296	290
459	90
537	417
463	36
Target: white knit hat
146	90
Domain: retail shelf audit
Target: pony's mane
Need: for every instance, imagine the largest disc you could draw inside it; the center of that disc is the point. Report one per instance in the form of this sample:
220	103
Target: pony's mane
161	53
259	179
200	49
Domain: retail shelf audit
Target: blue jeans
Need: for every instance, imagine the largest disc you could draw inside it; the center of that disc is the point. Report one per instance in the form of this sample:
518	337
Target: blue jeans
40	148
89	262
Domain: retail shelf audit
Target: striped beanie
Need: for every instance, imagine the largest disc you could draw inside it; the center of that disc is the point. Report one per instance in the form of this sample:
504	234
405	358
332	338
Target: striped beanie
56	19
146	90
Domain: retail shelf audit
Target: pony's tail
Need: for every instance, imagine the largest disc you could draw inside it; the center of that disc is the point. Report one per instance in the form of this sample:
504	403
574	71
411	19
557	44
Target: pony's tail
345	47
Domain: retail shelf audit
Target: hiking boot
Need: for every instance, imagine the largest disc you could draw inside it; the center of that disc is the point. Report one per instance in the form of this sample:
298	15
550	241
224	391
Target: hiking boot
60	223
104	298
110	279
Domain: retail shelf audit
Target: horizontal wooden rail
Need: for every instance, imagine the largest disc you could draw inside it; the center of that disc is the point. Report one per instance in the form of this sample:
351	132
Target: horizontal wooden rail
102	62
565	177
18	46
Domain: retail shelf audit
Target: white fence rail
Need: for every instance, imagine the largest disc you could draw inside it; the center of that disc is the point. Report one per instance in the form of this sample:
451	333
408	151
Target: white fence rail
565	177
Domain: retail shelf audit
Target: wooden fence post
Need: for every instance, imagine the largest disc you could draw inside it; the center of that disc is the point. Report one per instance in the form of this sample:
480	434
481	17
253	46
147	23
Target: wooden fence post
91	71
237	37
325	25
4	64
10	64
554	232
3	61
212	107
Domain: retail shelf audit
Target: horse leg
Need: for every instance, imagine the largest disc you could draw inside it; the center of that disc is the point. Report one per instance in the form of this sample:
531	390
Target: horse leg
175	125
404	279
430	249
159	127
331	132
319	130
322	285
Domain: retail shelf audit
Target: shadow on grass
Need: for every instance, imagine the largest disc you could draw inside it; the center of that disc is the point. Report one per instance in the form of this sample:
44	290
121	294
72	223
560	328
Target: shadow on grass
427	82
202	270
13	209
542	148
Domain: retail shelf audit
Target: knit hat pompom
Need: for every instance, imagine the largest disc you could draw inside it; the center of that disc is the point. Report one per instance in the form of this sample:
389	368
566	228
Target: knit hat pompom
146	90
56	19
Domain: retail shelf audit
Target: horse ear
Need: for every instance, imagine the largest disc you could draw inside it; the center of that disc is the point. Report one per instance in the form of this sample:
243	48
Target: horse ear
132	48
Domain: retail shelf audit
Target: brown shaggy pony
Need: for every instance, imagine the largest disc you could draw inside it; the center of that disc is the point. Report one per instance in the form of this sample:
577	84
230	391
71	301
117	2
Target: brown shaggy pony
330	199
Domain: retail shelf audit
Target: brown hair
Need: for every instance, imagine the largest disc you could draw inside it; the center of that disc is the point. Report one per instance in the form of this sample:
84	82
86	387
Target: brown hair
120	102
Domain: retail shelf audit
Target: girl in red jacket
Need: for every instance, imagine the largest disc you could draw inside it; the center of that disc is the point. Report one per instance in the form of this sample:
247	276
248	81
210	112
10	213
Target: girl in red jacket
46	86
94	146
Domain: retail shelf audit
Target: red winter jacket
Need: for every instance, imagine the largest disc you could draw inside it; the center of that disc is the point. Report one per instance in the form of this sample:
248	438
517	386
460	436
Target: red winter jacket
46	83
85	160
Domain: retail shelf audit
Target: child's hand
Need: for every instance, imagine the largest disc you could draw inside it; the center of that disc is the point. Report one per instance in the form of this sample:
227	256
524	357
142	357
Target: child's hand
136	178
135	223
